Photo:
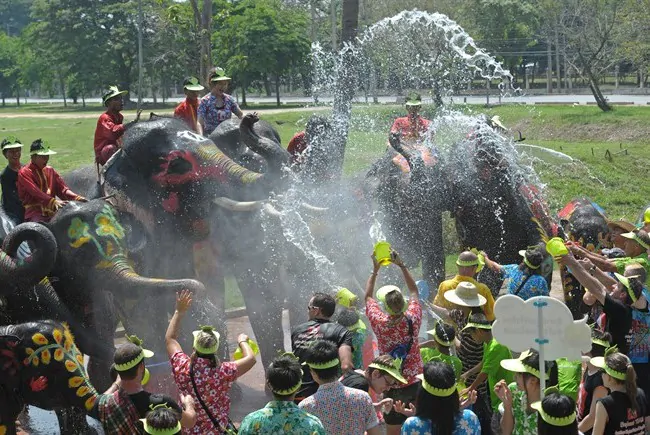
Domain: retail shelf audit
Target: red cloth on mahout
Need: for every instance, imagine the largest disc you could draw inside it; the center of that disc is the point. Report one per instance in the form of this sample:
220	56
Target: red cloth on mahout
37	189
411	127
108	132
186	111
296	146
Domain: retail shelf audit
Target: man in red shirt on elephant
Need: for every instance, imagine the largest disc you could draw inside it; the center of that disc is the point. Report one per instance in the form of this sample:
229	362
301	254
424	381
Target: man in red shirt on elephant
109	131
412	127
187	109
40	188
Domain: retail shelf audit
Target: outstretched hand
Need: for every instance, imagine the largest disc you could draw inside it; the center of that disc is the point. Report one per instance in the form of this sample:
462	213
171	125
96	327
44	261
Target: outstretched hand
468	400
396	259
183	301
408	411
375	264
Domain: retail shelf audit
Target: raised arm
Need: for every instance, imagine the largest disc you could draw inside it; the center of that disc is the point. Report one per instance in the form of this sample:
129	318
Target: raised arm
591	284
183	303
248	361
370	284
408	279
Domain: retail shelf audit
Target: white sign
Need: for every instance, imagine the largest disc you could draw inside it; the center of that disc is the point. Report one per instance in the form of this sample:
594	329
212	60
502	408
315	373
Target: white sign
522	325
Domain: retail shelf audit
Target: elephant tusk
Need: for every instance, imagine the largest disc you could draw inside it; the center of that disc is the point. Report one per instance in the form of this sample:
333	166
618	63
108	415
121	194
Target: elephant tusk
270	210
313	208
232	205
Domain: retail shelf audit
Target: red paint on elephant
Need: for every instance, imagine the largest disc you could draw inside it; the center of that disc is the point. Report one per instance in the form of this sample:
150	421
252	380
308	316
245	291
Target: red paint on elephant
171	204
38	384
181	167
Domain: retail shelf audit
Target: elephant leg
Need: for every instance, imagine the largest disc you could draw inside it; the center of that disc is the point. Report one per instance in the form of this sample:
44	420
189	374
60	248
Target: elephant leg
10	408
492	279
72	421
262	294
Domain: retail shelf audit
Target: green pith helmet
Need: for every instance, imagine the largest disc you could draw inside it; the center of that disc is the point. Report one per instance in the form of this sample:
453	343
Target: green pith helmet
192	84
40	148
111	92
413	99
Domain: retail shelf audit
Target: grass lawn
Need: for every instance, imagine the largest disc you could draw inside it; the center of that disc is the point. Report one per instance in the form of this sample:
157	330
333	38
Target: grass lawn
583	132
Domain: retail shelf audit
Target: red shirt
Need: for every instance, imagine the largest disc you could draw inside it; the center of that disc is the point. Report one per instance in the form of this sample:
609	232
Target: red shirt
411	127
186	111
212	383
296	146
108	132
390	334
37	189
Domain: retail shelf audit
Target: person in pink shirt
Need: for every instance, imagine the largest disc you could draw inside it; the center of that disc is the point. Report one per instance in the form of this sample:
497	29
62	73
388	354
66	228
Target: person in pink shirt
397	326
202	375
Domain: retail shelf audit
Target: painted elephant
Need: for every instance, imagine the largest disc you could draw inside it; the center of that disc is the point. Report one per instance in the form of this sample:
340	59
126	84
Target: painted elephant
41	366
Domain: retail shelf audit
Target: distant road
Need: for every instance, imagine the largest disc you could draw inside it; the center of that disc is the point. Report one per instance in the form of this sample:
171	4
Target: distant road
526	99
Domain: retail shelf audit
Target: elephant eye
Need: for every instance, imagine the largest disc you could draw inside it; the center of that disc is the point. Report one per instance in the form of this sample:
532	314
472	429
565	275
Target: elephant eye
179	166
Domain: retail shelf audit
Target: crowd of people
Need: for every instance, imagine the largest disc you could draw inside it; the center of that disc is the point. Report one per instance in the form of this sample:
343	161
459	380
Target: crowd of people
460	381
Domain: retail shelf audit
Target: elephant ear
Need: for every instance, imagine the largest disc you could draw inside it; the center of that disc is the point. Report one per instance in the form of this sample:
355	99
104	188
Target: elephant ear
9	356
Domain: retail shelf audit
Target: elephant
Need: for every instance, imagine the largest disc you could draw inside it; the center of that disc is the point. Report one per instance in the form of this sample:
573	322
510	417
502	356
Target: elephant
477	180
41	366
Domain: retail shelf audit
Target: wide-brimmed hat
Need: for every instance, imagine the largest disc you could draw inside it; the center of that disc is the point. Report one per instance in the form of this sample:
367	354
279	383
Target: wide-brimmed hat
413	99
645	244
40	148
192	84
519	366
218	75
10	142
495	121
383	292
112	92
622	224
486	324
466	295
625	280
527	262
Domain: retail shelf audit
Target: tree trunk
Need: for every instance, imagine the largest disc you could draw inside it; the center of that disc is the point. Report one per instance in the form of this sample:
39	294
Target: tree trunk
277	90
203	22
83	100
62	84
243	95
549	67
557	59
342	109
598	95
333	22
267	86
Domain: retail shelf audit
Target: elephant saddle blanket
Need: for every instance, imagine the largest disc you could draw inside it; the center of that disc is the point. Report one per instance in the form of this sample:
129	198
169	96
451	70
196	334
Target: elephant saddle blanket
118	414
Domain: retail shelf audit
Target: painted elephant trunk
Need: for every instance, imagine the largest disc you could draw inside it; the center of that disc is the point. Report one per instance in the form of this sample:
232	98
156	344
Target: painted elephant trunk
33	269
128	280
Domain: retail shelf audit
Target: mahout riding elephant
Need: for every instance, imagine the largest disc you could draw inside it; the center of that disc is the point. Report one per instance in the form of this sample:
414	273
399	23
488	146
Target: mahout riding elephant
40	365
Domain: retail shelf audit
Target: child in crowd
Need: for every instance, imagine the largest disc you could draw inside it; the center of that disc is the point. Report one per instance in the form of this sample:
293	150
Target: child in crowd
162	420
592	388
556	414
439	349
349	317
517	397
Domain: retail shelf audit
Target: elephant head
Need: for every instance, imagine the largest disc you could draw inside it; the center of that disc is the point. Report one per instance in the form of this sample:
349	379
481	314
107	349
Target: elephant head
40	365
18	273
167	174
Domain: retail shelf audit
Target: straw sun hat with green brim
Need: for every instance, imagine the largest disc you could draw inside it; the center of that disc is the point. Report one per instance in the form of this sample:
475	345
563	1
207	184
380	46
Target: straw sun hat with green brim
112	92
601	363
519	366
144	353
40	148
465	295
394	370
206	350
155	431
384	291
10	143
413	99
218	75
192	84
477	325
526	261
622	224
645	244
625	280
551	419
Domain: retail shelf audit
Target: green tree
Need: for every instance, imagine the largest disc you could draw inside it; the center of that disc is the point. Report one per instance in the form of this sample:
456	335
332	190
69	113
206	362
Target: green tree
9	67
260	38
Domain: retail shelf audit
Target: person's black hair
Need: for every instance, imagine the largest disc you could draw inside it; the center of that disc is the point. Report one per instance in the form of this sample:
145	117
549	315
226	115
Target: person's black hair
557	405
325	302
125	353
445	331
536	258
323	351
282	374
441	411
532	360
163	418
637	288
598	349
348	317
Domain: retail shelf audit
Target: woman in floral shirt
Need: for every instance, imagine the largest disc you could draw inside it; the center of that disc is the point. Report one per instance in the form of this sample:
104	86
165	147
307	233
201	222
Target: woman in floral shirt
202	375
438	408
525	279
517	415
217	106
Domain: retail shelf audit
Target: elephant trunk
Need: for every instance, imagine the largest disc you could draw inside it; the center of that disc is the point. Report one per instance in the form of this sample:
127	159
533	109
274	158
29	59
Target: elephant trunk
275	156
34	268
128	280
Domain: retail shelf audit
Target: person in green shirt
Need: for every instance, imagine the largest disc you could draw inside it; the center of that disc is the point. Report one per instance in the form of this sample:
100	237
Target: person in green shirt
517	415
439	349
493	353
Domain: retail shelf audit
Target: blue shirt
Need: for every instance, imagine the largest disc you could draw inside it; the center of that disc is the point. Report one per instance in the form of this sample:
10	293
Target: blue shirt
535	286
466	423
281	417
212	115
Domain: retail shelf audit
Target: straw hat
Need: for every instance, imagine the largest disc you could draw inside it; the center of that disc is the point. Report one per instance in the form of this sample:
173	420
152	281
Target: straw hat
622	224
465	295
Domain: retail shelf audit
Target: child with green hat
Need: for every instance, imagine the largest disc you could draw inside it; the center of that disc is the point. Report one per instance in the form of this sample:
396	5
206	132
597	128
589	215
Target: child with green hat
13	207
349	317
439	349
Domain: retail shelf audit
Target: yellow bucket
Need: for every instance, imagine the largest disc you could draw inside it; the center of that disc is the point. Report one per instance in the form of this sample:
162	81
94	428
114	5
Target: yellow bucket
556	247
346	298
239	354
382	253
